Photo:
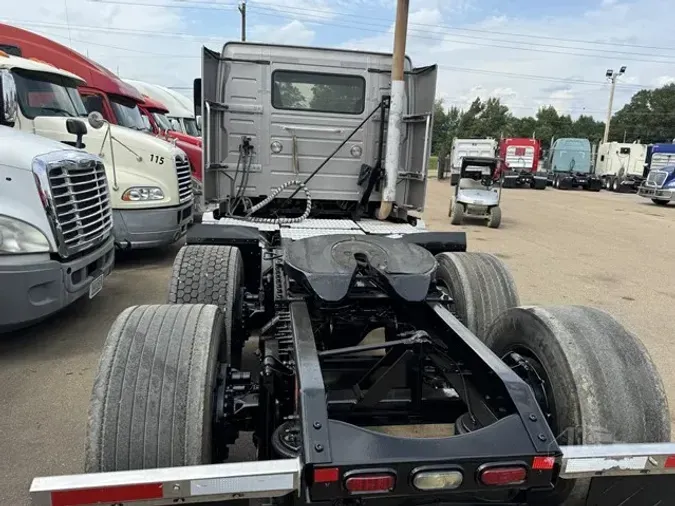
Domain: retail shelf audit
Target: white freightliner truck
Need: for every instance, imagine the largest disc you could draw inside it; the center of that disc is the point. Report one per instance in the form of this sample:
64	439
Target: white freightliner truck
56	242
527	416
149	178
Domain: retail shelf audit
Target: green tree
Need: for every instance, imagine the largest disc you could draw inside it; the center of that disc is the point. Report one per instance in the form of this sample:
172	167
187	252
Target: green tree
342	98
648	117
289	95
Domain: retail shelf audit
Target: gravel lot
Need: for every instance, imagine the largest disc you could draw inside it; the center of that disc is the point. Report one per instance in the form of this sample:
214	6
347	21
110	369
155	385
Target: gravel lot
614	252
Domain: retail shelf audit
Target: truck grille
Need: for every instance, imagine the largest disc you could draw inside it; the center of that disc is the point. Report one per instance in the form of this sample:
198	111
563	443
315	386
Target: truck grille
81	203
656	178
184	179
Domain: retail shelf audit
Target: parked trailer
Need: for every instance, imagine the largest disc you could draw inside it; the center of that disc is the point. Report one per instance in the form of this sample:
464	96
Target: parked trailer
480	148
621	166
364	328
569	165
521	157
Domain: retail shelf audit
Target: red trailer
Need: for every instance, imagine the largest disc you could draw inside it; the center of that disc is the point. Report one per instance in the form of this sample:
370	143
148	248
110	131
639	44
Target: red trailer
521	158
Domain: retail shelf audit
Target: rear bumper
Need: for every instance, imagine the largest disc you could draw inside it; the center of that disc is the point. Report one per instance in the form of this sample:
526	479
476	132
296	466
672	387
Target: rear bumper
34	289
656	193
151	228
619	472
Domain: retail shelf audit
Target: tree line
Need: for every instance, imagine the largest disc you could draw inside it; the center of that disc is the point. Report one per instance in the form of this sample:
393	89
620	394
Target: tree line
649	117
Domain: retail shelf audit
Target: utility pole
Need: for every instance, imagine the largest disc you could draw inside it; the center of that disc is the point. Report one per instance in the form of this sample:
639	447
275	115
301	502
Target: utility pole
393	154
612	76
242	10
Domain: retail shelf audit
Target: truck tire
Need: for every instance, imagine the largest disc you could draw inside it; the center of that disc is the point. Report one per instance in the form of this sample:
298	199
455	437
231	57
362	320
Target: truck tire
540	184
495	218
457	213
579	353
152	400
556	182
204	274
480	285
660	202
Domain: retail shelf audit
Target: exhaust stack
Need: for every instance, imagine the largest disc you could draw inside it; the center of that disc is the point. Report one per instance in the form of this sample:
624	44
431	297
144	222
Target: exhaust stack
393	154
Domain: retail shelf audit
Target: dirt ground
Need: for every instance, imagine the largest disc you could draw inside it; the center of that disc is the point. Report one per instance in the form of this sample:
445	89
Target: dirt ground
614	252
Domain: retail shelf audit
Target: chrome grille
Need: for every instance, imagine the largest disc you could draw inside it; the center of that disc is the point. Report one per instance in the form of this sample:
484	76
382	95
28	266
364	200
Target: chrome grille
184	179
656	178
81	203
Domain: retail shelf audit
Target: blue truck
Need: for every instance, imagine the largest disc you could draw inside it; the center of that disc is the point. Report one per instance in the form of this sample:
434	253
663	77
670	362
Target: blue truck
659	186
569	165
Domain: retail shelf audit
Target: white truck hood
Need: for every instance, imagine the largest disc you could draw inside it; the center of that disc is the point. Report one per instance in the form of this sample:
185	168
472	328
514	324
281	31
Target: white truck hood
17	148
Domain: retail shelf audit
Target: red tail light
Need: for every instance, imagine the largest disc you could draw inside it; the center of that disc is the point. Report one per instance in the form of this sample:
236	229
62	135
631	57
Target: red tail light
670	462
326	475
543	463
370	483
503	476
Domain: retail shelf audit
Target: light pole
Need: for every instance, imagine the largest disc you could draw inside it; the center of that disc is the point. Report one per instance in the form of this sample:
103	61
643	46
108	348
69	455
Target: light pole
612	76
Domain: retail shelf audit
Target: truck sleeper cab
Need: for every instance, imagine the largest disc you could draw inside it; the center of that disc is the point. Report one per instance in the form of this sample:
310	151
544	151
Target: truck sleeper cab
621	166
152	206
49	259
570	166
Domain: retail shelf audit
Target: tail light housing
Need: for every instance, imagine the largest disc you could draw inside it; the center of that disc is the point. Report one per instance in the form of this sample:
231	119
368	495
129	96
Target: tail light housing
437	479
370	482
502	475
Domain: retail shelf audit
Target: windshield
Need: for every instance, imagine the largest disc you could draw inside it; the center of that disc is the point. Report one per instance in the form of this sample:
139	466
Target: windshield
191	127
162	121
42	94
127	113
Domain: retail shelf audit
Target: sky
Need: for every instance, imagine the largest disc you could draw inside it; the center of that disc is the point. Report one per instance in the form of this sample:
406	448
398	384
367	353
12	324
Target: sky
529	53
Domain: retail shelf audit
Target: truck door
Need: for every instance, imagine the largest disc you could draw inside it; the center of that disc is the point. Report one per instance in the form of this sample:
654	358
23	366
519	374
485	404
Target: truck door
421	83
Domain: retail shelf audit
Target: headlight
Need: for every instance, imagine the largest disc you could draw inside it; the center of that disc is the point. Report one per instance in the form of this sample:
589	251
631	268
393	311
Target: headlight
20	237
143	193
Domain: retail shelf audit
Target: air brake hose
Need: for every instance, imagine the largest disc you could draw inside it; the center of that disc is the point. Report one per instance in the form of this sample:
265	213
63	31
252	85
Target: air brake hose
272	196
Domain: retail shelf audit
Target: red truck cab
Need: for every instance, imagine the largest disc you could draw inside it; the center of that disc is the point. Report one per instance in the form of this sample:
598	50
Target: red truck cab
520	154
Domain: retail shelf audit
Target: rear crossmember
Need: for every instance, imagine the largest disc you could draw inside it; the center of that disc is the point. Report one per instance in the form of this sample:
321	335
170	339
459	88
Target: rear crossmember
276	478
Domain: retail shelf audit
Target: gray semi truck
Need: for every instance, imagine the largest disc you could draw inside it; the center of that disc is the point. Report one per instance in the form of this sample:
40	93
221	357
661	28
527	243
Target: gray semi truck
56	243
393	366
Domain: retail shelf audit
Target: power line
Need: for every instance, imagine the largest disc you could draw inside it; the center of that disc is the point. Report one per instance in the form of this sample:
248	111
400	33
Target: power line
475	30
324	20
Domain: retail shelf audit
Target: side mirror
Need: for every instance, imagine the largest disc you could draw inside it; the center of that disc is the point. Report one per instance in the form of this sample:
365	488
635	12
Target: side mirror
198	119
197	96
96	120
175	124
8	99
78	129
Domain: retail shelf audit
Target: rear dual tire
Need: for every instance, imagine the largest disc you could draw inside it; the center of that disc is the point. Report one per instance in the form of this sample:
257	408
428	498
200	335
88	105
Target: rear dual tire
205	274
152	400
601	385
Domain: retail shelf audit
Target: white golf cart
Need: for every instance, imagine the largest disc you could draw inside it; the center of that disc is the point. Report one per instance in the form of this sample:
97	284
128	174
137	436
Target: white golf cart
478	191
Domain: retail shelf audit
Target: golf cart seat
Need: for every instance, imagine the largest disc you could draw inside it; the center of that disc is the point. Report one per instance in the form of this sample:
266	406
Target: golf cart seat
467	183
328	265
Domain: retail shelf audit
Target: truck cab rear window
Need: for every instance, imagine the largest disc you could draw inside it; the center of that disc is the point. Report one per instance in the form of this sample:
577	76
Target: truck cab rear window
311	91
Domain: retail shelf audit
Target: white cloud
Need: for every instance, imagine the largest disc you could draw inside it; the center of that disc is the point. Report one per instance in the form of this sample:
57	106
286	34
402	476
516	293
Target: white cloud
294	32
483	57
474	60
